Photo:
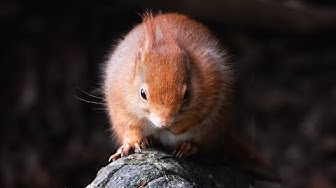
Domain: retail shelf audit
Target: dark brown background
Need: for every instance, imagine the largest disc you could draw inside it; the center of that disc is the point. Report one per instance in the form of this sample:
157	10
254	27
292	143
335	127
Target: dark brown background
284	55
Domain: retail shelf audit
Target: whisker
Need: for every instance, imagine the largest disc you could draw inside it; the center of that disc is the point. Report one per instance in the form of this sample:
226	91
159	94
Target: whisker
91	95
99	109
87	101
107	130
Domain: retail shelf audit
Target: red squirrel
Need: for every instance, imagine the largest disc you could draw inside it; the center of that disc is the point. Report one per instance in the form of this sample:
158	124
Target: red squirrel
169	81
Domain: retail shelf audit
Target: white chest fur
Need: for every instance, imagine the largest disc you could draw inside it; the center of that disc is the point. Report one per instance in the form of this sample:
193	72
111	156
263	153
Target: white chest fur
166	138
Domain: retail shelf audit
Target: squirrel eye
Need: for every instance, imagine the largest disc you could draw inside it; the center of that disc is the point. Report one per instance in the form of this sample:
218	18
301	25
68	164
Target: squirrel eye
186	95
143	94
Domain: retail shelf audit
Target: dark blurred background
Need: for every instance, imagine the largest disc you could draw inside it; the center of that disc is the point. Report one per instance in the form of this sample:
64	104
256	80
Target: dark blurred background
283	52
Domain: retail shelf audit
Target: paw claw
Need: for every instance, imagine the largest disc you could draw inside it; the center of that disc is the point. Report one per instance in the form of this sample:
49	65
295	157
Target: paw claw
184	149
147	142
110	159
137	148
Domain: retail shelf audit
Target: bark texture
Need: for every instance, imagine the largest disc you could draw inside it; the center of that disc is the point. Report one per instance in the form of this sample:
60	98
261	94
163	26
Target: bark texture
152	168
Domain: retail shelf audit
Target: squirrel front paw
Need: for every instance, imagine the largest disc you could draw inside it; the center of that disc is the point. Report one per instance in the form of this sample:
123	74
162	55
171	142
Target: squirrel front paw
126	148
185	149
147	142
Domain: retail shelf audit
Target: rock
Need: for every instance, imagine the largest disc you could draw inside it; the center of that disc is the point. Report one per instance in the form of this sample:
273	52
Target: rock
152	168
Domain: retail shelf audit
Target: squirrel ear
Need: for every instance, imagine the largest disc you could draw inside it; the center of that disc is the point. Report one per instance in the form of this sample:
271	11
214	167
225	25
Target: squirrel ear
149	31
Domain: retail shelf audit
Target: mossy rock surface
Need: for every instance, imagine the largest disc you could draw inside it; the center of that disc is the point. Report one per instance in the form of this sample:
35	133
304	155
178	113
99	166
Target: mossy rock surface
152	168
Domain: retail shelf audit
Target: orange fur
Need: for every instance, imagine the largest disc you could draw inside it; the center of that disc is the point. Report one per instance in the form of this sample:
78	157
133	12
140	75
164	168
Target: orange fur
166	56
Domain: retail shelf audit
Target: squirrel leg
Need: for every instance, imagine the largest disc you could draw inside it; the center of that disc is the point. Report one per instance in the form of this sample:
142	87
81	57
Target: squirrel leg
131	142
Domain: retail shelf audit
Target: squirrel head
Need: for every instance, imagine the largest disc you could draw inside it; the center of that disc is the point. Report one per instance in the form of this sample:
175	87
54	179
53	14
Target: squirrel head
161	75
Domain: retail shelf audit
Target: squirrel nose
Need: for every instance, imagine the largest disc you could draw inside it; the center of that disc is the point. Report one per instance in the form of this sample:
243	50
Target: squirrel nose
160	122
